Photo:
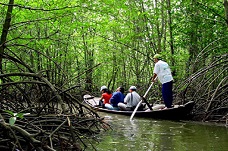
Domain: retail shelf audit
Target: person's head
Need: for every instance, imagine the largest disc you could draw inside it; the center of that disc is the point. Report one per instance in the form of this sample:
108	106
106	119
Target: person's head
132	88
120	89
157	57
103	88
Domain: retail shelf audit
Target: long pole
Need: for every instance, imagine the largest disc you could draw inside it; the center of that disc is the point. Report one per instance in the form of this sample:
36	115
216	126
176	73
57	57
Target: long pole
140	102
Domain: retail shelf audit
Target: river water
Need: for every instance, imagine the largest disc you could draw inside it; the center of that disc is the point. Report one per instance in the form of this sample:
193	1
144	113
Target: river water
160	135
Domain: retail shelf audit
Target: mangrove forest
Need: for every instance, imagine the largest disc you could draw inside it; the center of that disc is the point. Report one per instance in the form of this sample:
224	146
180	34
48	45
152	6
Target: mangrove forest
52	52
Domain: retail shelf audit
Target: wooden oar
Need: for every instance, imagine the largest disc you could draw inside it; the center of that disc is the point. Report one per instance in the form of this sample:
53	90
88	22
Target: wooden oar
140	102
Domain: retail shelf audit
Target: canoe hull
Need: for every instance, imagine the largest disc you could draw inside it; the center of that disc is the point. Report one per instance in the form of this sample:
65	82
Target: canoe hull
182	112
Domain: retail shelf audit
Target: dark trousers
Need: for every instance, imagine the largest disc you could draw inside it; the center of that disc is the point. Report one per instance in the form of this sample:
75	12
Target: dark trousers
167	93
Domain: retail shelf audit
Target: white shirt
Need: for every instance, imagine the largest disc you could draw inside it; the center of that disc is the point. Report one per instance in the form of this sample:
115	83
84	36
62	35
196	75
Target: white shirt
132	99
163	72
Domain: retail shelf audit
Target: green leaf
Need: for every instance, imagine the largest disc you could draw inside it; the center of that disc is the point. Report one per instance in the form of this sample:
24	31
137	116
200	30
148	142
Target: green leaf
12	120
20	115
10	112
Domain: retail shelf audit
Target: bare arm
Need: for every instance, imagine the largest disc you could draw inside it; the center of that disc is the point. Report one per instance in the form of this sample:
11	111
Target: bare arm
101	98
154	77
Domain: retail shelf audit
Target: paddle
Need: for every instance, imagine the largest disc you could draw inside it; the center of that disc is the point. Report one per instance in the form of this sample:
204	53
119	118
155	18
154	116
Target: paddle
136	108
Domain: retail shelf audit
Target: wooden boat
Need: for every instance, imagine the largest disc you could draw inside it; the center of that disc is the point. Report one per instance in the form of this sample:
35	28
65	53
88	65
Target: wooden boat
178	112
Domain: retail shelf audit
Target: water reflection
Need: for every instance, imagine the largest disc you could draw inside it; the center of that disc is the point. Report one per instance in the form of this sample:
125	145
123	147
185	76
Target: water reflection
157	135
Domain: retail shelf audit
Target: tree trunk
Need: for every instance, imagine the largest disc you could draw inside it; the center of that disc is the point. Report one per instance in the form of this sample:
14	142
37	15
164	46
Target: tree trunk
88	55
193	46
159	30
5	30
171	35
226	10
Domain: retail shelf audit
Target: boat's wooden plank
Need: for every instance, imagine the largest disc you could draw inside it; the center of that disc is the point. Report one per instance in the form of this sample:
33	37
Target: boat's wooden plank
177	112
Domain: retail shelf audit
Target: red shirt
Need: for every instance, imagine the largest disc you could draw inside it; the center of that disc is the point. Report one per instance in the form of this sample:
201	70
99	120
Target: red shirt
106	97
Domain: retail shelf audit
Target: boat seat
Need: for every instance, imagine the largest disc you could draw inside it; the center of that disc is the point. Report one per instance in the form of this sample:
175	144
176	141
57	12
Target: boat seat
158	106
87	96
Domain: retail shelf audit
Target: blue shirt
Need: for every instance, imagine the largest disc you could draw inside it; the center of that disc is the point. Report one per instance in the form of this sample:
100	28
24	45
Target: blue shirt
116	98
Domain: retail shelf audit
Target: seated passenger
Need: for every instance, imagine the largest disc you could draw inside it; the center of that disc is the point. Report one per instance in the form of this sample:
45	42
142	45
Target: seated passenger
116	98
131	100
105	97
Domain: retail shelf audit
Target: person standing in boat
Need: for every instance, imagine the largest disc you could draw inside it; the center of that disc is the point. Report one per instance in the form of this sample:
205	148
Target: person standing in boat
163	72
105	97
131	100
117	97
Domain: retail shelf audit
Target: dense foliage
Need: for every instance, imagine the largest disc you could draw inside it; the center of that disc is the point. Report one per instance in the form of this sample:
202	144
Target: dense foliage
81	45
68	39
